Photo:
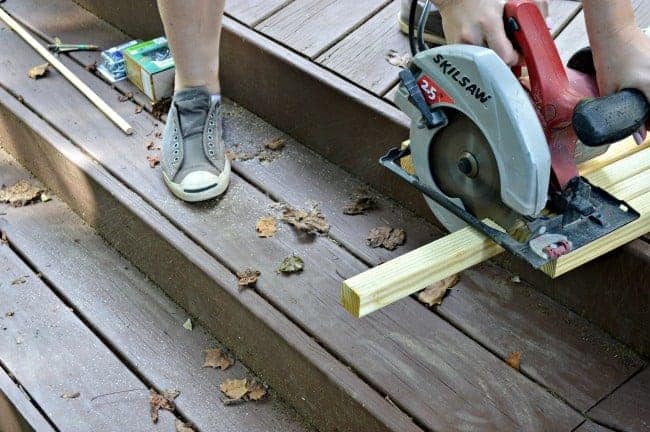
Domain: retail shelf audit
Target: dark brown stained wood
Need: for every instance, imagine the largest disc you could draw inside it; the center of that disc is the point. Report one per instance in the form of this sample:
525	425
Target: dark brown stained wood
17	412
628	408
312	26
251	12
318	385
403	352
51	352
589	426
142	324
362	55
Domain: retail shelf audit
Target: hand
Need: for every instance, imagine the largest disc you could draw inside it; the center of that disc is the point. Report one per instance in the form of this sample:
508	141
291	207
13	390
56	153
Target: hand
480	22
622	61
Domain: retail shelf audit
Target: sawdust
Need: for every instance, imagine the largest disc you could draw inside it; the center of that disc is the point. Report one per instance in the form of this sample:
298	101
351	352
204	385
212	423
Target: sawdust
309	221
21	194
39	71
218	359
248	277
514	359
386	237
266	227
433	295
292	264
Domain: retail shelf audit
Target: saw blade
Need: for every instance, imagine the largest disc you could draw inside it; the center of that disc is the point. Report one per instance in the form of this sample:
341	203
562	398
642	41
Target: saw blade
463	166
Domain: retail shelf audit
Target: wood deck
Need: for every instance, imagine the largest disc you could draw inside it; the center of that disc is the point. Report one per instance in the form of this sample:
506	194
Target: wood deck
408	368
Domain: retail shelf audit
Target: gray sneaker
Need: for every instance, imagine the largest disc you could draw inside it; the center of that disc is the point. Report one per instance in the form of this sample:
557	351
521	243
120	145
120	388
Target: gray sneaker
194	162
432	29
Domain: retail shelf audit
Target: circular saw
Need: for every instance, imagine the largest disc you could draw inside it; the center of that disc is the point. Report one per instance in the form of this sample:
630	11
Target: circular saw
496	148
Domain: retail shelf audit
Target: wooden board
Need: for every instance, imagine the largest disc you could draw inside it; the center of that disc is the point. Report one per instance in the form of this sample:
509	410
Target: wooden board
628	408
312	26
148	333
296	296
17	412
251	12
589	426
51	352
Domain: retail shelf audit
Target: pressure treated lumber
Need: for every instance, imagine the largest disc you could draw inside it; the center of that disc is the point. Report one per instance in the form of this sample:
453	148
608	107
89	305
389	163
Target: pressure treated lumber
623	170
71	77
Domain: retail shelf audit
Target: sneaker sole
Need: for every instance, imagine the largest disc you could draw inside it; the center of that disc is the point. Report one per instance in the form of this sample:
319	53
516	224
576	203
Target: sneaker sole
205	194
428	37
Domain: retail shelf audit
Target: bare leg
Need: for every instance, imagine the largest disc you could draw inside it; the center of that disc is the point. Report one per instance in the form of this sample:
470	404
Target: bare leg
193	29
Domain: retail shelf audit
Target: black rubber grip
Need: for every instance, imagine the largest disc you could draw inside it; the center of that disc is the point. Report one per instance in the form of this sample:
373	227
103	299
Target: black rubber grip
608	119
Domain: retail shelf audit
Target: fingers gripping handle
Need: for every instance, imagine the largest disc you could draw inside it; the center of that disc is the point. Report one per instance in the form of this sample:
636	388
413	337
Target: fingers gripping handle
608	119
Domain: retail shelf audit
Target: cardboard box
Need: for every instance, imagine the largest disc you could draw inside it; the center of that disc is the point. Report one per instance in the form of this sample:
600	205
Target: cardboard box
150	66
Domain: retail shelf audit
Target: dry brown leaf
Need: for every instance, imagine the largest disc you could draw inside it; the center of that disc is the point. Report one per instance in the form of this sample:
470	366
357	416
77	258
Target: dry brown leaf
396	59
183	427
311	221
275	144
158	402
39	71
152	146
256	390
266	227
92	67
292	264
138	109
160	108
153	160
125	97
434	294
234	388
386	237
514	359
248	277
20	194
216	358
70	395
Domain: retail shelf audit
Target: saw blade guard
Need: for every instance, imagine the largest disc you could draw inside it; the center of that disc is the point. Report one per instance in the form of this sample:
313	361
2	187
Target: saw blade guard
476	83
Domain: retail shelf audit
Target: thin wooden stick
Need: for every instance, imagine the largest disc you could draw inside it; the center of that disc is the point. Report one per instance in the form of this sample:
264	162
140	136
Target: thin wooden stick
74	80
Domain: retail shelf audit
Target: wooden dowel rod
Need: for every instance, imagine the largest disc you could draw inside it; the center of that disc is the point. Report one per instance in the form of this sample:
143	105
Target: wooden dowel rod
71	77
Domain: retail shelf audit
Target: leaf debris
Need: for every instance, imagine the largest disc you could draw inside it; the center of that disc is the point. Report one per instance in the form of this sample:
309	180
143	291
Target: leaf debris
386	237
21	194
161	401
248	277
183	427
39	71
266	227
433	295
218	359
70	395
310	221
125	97
291	264
153	160
395	58
360	202
152	146
138	109
21	280
238	389
275	144
514	359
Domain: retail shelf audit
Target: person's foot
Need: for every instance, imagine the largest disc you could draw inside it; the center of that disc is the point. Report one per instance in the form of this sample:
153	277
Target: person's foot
194	162
433	32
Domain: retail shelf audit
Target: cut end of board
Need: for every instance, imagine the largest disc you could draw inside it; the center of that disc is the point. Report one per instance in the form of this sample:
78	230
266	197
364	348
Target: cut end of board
350	300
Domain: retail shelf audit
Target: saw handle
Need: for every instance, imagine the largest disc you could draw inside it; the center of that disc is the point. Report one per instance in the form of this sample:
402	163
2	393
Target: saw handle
608	119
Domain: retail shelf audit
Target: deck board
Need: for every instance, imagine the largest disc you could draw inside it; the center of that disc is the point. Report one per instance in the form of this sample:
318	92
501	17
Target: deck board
251	12
312	26
51	352
149	331
17	411
381	361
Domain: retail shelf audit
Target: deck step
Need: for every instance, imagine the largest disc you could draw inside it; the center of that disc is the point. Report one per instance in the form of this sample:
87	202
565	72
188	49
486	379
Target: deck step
90	320
443	368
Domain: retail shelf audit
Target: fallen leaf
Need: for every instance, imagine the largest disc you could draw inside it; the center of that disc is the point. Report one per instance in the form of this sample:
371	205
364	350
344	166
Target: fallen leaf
256	390
248	277
152	146
386	237
70	395
266	227
396	59
234	388
153	160
21	280
275	144
359	205
92	67
291	264
183	427
216	358
309	221
158	402
433	295
138	109
20	194
514	359
125	97
160	108
39	71
187	325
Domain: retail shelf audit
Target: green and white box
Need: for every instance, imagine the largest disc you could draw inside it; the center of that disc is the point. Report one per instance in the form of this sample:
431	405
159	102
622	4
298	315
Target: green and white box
150	66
